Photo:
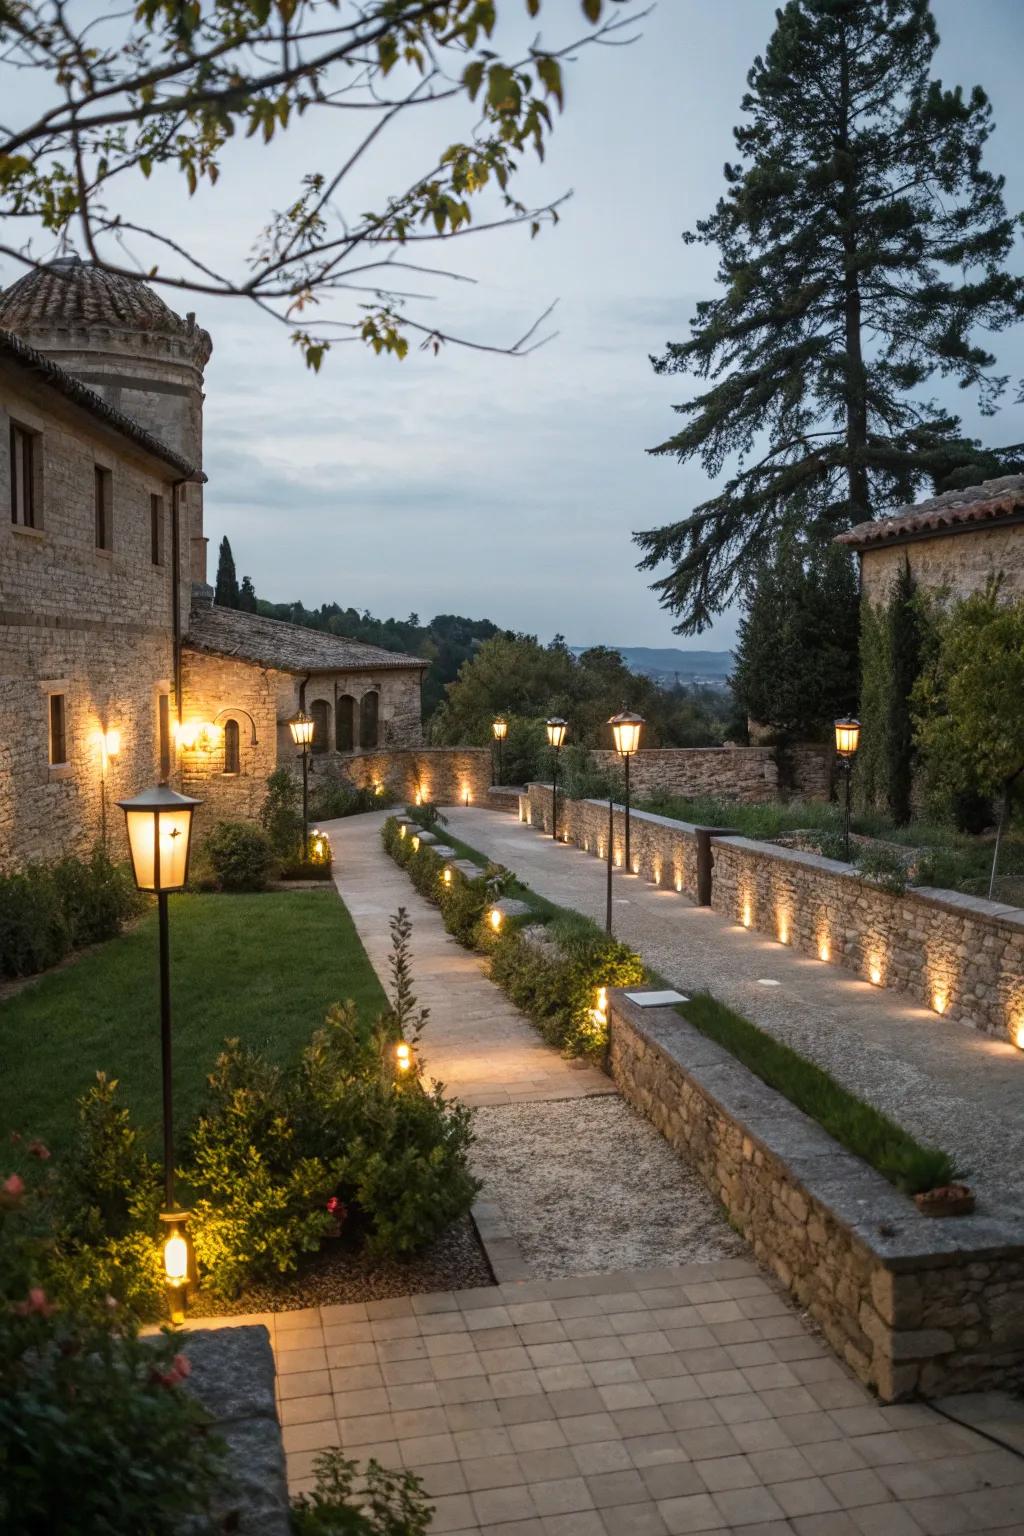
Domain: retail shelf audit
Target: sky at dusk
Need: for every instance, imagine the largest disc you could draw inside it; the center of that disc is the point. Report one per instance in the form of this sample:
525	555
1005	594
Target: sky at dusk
508	488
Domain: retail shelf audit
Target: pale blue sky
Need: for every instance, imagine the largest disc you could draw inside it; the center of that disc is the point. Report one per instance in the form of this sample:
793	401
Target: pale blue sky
481	485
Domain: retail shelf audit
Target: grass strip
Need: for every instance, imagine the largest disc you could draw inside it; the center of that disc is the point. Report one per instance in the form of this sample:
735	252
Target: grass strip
857	1126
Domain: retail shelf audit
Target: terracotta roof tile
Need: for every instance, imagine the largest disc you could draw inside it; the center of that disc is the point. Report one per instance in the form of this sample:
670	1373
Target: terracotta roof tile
977	505
287	647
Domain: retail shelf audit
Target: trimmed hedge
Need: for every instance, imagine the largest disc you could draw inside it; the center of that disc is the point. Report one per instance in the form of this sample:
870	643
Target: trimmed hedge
47	910
555	982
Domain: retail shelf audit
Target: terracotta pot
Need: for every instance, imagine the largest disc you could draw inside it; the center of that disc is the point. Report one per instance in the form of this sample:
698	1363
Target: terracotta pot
948	1200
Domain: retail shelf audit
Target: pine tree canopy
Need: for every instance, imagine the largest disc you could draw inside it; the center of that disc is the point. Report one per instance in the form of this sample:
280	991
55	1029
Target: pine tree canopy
863	250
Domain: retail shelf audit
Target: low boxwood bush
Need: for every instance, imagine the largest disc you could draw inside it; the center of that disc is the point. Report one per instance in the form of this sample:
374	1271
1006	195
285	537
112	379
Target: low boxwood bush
555	984
46	910
241	856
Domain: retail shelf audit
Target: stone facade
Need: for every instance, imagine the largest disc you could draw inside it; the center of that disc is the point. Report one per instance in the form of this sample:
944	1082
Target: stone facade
94	626
748	775
441	775
913	1305
959	955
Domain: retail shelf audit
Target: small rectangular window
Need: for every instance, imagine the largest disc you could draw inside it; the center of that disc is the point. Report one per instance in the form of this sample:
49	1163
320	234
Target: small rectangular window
156	529
163	726
58	731
104	508
23	477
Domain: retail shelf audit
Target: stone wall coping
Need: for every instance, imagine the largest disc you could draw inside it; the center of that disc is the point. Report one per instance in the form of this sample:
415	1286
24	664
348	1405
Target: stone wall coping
688	828
854	1194
934	896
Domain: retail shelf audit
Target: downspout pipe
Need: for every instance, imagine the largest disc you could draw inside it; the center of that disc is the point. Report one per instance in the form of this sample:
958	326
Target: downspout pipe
176	589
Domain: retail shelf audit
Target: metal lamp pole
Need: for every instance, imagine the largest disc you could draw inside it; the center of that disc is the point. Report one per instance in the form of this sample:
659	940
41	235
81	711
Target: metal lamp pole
556	728
847	742
611	840
302	728
626	728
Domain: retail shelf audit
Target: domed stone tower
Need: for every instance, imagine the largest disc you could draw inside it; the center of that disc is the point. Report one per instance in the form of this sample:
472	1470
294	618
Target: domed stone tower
119	337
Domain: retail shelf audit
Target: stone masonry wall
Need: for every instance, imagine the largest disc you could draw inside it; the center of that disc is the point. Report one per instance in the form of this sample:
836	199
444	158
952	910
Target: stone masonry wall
443	775
92	624
661	850
912	1304
961	563
217	689
959	955
749	775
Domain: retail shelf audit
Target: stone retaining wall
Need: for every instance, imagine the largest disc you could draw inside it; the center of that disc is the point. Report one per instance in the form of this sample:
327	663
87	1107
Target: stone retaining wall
959	955
911	1303
748	775
443	775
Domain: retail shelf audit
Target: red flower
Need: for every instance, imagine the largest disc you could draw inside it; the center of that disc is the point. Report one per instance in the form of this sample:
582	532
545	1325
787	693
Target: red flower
36	1304
12	1189
336	1208
39	1149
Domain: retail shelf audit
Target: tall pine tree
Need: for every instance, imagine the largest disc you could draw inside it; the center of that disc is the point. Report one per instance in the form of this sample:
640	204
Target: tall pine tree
247	596
863	247
226	594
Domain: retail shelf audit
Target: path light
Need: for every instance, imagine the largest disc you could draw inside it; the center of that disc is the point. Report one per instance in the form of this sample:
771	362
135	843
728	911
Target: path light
416	844
499	728
847	742
302	727
556	729
403	1056
159	823
626	728
495	917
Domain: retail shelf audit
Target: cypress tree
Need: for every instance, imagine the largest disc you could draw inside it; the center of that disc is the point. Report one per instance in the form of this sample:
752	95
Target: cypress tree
226	594
905	661
796	661
247	595
862	247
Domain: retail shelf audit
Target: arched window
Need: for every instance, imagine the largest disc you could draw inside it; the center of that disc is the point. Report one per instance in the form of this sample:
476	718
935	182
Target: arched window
369	711
321	713
345	724
232	753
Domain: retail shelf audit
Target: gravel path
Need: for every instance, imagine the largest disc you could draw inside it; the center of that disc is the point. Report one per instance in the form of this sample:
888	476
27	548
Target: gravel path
948	1084
587	1185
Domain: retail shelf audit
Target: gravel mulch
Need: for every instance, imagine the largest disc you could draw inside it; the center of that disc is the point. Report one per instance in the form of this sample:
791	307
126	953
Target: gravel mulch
455	1262
587	1185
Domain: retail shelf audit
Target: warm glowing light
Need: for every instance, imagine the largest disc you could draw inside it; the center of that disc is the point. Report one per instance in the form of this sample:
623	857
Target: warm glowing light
500	728
159	825
783	928
939	1001
302	727
403	1056
657	874
636	866
378	789
679	883
416	844
626	729
824	953
556	728
874	972
465	794
618	861
847	737
402	830
496	919
602	999
747	916
176	1259
1018	1033
419	797
446	876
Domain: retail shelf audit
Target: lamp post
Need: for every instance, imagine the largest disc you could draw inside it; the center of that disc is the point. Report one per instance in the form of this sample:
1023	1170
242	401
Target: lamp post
556	729
626	729
847	742
500	729
159	824
302	727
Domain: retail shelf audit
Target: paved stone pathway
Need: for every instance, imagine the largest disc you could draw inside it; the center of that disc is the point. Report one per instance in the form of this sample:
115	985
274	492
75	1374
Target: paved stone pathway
947	1083
648	1402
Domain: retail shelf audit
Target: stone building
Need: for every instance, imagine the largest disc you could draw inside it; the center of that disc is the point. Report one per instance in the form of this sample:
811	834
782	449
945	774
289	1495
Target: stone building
953	543
116	668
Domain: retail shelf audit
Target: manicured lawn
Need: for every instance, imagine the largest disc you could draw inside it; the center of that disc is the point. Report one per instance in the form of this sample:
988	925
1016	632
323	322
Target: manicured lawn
262	967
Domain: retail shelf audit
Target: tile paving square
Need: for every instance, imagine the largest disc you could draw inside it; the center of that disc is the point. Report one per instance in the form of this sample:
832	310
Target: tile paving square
755	1446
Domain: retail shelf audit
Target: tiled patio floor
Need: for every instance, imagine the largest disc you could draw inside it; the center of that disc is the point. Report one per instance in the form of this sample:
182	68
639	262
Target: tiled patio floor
689	1399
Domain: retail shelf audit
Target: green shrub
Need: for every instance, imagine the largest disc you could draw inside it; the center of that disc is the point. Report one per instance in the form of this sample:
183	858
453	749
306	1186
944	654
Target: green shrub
328	801
884	868
387	1503
48	909
260	1201
281	814
242	856
97	897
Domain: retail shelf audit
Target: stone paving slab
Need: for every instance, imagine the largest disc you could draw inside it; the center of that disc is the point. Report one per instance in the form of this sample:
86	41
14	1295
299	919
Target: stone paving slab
686	1398
950	1085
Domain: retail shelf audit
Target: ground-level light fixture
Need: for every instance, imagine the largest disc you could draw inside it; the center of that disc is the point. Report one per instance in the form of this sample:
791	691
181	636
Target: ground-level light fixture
847	742
302	727
496	917
446	876
556	728
403	1056
159	823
